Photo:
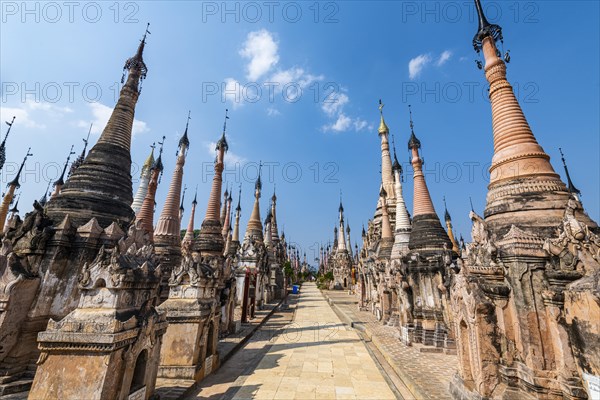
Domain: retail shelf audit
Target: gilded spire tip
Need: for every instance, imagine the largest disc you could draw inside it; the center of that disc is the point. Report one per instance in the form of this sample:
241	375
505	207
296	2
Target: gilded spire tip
383	128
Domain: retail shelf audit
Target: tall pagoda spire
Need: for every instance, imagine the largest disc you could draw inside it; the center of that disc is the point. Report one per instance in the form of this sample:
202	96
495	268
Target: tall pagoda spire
274	228
349	242
210	239
386	227
189	234
167	233
181	208
12	186
427	232
101	186
519	164
224	207
238	213
146	212
403	225
387	179
267	233
448	220
572	189
140	195
341	239
61	179
335	239
227	221
3	144
255	228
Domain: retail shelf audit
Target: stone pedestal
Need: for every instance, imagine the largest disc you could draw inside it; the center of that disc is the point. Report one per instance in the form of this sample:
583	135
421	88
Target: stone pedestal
109	346
193	313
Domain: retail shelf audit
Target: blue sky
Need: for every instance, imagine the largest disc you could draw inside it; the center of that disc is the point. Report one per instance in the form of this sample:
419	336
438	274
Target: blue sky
60	68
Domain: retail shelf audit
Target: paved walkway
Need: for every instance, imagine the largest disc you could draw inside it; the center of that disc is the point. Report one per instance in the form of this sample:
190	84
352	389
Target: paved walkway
172	389
316	357
226	381
427	375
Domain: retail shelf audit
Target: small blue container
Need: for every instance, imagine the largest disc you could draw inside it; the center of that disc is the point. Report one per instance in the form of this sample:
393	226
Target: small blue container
295	289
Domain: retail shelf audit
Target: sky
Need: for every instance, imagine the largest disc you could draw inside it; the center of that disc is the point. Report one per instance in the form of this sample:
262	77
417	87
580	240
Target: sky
302	81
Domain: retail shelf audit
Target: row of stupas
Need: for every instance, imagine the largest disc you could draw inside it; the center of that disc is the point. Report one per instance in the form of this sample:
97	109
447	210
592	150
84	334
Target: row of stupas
520	304
92	287
403	259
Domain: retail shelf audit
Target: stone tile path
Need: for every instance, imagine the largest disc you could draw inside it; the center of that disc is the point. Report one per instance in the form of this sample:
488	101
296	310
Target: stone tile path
171	389
226	381
316	357
427	375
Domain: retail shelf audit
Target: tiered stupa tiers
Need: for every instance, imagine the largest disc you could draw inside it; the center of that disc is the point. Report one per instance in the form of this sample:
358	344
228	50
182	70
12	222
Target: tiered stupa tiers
140	195
167	233
254	229
427	233
403	224
524	188
210	239
146	212
101	186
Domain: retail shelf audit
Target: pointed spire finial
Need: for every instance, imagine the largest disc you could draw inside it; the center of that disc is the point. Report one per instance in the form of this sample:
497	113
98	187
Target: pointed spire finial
10	124
3	145
571	186
158	164
485	29
136	63
222	143
258	185
15	181
471	201
183	198
239	208
195	201
395	165
44	198
81	157
413	141
446	213
383	128
184	141
146	33
60	181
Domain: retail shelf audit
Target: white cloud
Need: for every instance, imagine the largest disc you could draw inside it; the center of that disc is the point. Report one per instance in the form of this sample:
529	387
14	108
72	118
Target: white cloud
48	107
23	117
334	103
342	123
233	92
294	75
359	124
101	114
444	57
416	65
272	112
420	62
230	157
261	49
